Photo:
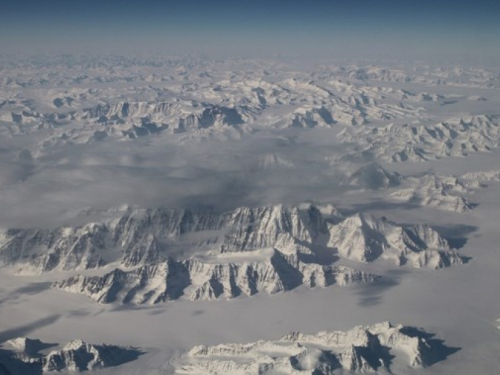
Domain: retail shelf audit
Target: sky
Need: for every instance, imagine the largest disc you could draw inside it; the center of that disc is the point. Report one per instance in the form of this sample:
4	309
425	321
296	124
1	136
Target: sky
449	29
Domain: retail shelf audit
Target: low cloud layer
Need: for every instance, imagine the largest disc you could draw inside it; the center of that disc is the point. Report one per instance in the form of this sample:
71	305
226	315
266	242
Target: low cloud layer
52	189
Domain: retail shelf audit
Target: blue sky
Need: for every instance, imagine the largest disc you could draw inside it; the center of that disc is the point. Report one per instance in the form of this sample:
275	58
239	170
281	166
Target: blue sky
384	28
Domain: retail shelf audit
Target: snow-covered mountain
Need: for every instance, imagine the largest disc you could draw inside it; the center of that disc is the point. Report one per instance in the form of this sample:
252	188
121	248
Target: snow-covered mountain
268	271
46	250
365	238
280	225
231	101
267	249
399	143
374	177
480	178
449	193
438	191
136	237
378	348
25	347
75	356
80	356
148	118
272	161
159	139
140	237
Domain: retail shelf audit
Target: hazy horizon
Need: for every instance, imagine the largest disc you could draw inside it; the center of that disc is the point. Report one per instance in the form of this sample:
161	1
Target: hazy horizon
446	31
